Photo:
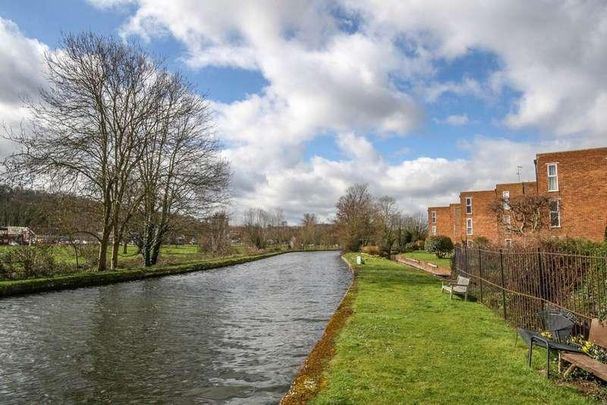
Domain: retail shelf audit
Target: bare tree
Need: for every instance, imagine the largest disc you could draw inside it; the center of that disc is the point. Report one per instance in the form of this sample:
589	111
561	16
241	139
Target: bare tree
523	215
87	131
183	171
277	228
215	237
254	229
354	218
411	228
388	219
308	233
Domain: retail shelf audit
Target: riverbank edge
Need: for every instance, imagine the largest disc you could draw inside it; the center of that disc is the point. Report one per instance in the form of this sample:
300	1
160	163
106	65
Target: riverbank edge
308	380
92	279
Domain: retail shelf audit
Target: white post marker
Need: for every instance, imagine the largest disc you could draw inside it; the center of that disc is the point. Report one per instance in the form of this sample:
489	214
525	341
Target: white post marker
359	260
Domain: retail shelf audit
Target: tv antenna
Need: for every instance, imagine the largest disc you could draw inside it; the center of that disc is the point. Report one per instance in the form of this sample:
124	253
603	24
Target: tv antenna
518	172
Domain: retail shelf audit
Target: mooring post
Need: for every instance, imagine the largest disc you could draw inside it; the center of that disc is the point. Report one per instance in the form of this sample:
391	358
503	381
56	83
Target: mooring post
503	283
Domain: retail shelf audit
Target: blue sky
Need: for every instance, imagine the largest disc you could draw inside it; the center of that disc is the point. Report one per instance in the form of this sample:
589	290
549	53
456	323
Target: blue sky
311	97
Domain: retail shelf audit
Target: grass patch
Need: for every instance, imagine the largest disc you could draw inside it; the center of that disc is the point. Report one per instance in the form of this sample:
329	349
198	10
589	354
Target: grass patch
423	256
90	278
408	343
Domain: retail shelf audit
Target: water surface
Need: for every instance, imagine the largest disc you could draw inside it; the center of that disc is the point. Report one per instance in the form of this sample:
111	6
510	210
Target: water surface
236	335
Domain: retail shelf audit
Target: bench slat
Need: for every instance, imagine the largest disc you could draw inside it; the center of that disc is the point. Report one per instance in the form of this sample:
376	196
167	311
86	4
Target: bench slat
587	363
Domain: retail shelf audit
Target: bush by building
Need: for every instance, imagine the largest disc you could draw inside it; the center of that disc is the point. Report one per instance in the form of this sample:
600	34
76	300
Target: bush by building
440	245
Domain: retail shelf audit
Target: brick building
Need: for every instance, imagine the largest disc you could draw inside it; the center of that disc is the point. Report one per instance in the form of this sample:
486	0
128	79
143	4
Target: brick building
575	181
477	217
440	221
503	193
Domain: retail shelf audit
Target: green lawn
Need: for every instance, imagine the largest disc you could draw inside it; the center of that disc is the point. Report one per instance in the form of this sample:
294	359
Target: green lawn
172	253
408	343
428	257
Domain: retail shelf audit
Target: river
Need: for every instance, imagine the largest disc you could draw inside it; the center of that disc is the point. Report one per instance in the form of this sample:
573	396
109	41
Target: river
231	335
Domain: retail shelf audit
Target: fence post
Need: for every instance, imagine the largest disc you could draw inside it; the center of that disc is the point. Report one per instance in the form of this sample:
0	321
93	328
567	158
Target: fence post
480	273
503	283
541	274
465	260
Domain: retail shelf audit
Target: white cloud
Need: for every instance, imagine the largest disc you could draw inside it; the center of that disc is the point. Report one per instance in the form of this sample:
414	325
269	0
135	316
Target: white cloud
322	79
369	80
434	91
21	76
105	4
455	120
553	53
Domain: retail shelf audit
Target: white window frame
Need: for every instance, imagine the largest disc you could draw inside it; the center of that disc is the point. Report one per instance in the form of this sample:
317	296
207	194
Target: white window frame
506	199
507	220
555	176
468	205
469	227
434	230
433	215
557	212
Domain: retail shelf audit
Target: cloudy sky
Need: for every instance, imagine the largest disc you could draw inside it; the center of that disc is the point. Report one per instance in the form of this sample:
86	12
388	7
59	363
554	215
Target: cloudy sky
421	99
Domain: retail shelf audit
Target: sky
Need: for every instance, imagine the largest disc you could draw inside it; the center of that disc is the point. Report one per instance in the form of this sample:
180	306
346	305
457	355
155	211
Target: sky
420	99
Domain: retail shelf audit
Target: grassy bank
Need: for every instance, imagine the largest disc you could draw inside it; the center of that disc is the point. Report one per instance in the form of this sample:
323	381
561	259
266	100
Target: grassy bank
405	342
423	256
87	279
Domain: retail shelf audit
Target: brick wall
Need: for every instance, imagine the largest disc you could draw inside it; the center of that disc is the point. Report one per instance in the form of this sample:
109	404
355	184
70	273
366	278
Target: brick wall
582	191
484	219
456	222
514	190
443	223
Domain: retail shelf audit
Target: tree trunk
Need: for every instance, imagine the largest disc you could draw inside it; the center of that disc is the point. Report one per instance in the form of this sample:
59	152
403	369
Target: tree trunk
157	243
115	249
103	245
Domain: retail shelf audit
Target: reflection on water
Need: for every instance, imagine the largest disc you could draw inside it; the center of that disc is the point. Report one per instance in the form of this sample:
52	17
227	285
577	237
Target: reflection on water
235	335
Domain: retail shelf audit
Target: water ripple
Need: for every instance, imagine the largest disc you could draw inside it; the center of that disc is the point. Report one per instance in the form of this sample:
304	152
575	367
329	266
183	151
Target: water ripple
233	335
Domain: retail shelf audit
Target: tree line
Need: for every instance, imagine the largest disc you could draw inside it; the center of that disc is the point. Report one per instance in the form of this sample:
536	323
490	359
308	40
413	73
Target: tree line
364	220
133	140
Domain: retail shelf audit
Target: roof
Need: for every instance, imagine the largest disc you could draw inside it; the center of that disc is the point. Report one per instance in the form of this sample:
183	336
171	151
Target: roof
604	149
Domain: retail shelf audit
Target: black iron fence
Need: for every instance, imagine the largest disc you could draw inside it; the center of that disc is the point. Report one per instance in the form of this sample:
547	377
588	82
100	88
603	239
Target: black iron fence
517	284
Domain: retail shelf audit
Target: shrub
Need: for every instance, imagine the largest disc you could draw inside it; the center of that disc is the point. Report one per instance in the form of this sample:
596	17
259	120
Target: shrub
89	254
370	250
440	245
27	262
481	242
410	247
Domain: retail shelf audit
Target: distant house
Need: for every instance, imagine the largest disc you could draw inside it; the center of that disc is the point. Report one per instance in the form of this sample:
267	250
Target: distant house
574	181
16	235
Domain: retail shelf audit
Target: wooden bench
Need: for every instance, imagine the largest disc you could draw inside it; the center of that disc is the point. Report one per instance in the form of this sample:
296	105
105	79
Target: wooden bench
459	287
597	336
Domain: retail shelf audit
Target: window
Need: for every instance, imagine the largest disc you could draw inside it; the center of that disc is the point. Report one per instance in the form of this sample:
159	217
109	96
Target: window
506	199
553	178
469	229
508	243
468	205
506	219
433	217
555	214
434	230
